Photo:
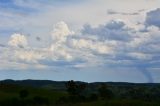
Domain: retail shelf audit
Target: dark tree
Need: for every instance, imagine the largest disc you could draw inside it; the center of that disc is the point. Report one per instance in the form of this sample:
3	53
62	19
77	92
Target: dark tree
81	88
72	87
76	91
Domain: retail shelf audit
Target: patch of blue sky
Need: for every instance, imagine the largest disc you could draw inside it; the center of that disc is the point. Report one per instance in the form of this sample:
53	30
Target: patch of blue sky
6	1
7	32
11	6
68	2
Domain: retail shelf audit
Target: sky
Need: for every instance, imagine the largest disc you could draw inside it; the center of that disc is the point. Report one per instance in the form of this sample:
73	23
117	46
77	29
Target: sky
84	40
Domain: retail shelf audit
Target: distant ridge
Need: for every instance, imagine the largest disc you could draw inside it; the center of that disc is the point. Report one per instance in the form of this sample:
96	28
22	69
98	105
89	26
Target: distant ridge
45	83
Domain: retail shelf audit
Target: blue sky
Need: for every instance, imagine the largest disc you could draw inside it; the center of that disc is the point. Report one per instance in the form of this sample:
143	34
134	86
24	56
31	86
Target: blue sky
86	40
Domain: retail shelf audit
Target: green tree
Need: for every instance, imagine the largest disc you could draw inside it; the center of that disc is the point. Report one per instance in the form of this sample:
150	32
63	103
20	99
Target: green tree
75	89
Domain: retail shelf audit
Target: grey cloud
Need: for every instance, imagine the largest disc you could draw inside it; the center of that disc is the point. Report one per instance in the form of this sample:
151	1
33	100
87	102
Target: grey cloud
50	62
136	13
54	63
114	30
115	25
153	18
2	45
112	12
141	10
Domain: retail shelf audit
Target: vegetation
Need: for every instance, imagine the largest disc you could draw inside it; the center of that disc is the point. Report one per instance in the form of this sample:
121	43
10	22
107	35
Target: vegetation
71	93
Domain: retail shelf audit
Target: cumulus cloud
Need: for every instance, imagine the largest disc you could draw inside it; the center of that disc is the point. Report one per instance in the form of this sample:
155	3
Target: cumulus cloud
59	35
153	18
66	44
18	40
95	46
64	47
59	52
28	56
60	32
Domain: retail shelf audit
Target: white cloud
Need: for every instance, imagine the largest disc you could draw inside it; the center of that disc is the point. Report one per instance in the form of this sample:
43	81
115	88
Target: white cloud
59	52
30	56
90	45
18	40
59	35
60	32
